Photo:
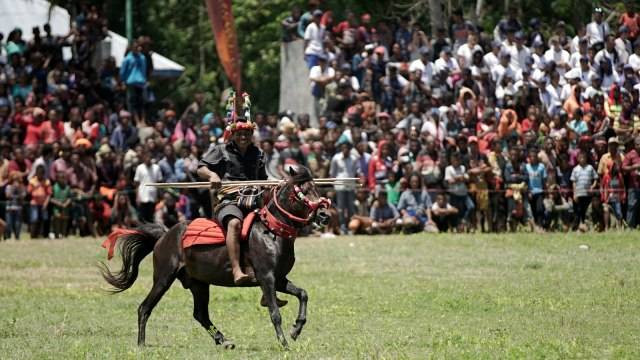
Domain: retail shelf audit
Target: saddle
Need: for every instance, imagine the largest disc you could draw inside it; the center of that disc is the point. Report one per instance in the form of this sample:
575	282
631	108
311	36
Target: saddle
203	231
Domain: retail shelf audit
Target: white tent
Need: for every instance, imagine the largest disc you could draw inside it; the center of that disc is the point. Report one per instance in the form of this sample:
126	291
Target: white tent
27	14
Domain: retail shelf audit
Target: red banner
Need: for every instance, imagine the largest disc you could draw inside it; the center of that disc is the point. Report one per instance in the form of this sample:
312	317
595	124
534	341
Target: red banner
224	30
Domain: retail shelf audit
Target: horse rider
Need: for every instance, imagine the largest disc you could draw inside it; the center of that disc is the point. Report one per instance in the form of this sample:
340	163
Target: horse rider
236	159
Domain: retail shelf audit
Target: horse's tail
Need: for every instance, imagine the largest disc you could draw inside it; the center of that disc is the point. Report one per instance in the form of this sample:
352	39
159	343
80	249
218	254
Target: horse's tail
134	246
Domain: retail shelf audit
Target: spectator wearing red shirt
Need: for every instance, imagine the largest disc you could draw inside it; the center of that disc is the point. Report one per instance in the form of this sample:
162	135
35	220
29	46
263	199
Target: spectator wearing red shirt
36	130
19	164
54	127
631	20
631	166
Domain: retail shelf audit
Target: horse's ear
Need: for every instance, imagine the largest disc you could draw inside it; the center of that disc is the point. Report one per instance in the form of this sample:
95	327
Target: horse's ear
292	171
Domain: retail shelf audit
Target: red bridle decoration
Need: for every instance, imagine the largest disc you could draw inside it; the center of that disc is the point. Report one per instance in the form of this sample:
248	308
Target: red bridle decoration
282	229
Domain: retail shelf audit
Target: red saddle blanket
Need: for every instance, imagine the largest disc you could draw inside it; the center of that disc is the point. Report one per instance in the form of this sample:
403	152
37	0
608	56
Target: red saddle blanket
203	231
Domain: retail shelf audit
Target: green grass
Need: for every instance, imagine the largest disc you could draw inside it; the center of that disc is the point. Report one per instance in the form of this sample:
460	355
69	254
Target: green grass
427	296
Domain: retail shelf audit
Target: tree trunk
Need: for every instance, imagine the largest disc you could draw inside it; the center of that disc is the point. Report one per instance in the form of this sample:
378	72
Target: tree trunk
436	14
479	6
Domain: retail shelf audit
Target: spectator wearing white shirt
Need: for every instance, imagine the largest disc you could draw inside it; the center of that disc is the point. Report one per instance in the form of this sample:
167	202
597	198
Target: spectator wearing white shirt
344	164
147	196
585	69
424	65
558	55
623	45
313	40
492	58
320	76
504	68
520	53
538	53
446	62
551	97
465	51
575	42
609	52
634	59
597	30
582	50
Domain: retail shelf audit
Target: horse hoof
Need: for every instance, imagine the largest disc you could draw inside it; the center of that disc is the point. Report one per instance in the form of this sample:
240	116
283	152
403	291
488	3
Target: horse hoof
229	345
294	334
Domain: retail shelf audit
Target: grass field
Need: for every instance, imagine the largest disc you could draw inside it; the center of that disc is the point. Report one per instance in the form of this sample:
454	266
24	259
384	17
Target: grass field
427	296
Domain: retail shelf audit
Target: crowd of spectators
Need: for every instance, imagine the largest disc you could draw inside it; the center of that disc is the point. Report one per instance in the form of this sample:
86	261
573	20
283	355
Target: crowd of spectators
461	130
530	126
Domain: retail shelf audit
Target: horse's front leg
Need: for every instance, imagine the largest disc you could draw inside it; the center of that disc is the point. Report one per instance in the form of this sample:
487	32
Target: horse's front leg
290	288
268	286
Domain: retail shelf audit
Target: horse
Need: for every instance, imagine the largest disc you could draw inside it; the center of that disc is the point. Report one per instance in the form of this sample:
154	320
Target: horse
269	249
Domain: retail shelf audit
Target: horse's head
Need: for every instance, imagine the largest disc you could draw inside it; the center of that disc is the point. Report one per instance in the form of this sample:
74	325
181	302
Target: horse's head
299	197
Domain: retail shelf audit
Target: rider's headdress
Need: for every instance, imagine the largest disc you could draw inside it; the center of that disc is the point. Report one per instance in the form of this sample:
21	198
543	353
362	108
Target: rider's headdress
238	114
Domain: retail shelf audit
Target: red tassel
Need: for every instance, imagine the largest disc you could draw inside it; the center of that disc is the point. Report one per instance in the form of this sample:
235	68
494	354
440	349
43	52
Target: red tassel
110	242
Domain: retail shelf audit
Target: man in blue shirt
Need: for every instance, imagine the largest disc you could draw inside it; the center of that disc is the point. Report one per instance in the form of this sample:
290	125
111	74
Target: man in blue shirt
133	72
537	177
383	214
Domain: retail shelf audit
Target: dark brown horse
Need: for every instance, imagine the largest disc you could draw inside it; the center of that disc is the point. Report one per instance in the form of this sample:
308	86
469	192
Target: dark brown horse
269	250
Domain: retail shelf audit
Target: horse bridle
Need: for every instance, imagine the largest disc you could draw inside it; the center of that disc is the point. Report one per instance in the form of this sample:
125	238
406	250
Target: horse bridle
299	195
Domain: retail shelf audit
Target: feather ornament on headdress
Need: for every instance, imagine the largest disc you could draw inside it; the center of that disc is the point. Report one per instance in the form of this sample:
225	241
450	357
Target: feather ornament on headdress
238	115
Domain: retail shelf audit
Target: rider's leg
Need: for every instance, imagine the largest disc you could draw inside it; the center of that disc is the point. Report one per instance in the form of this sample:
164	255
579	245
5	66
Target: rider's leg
233	235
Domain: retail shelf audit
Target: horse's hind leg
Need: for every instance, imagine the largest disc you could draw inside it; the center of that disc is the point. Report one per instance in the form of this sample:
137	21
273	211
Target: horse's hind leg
163	277
288	287
200	293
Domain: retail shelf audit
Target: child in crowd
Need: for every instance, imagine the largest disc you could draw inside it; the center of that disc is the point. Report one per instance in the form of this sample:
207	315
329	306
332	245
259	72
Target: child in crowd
40	190
61	200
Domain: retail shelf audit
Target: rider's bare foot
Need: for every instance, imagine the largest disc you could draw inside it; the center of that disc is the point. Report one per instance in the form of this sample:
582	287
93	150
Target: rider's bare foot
240	278
281	303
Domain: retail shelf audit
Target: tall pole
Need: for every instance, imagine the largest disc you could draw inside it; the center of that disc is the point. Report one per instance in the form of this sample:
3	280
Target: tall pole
129	21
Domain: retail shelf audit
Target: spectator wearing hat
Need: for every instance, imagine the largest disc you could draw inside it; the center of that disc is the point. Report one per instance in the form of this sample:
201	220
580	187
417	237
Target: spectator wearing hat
612	155
597	30
314	40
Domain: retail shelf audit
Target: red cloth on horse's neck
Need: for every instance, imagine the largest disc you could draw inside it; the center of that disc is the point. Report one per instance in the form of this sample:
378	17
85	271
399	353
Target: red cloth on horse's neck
110	242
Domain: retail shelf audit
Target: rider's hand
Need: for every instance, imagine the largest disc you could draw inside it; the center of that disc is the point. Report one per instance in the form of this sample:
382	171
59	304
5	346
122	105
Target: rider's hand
215	181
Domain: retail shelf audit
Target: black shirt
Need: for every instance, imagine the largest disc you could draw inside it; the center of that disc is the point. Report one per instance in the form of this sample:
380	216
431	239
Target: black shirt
227	161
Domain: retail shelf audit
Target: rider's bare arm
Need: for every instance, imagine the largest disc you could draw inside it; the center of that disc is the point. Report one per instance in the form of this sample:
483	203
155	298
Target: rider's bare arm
206	174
